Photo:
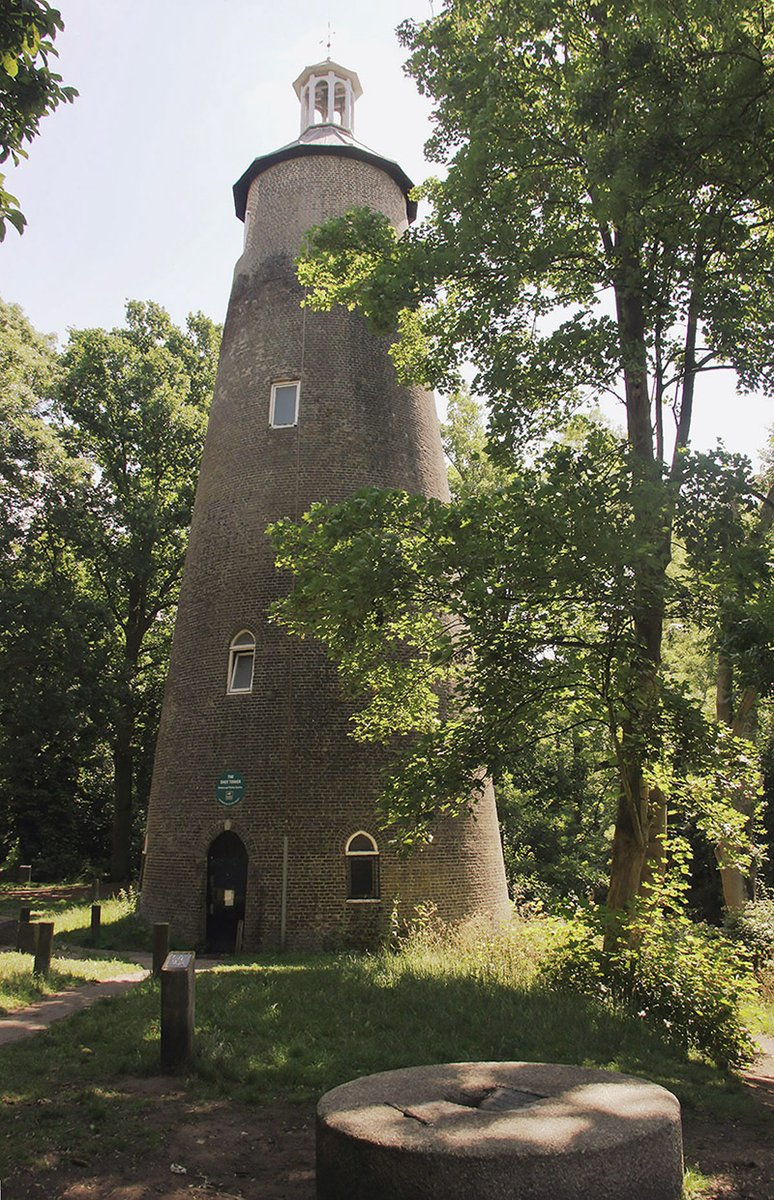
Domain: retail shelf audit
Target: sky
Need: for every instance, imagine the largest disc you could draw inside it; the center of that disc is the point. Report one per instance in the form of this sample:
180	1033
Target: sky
127	192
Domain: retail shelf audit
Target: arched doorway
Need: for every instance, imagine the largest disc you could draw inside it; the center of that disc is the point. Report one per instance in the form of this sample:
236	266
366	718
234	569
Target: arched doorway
226	892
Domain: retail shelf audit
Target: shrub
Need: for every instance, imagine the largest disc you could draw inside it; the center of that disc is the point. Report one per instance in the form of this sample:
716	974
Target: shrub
753	926
686	980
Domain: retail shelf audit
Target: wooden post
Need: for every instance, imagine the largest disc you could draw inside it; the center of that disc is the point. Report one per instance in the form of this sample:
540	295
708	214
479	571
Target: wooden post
95	891
25	916
25	934
25	874
29	937
43	946
96	917
177	1011
160	946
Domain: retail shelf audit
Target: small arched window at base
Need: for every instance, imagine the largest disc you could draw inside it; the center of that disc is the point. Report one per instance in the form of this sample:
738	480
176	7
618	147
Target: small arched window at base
241	662
362	857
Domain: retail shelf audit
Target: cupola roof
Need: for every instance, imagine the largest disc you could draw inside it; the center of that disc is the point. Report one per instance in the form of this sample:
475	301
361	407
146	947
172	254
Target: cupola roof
327	92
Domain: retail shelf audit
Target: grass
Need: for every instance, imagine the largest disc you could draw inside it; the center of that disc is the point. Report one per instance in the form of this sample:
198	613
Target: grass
759	1015
290	1028
19	987
696	1185
121	926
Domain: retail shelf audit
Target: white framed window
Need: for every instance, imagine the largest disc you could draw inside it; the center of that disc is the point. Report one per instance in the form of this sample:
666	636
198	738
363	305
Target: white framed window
283	410
241	663
362	857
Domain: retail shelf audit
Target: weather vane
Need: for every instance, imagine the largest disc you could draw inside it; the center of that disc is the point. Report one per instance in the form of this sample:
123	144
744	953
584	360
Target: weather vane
329	39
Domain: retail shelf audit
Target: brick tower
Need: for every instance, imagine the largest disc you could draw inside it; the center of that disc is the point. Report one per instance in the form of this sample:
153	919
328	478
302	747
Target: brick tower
262	830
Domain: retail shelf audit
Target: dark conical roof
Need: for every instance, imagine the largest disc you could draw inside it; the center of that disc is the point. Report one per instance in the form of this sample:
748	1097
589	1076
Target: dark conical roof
323	140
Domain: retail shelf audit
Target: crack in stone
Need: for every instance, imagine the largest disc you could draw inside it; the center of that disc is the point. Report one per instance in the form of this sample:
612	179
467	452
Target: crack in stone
408	1112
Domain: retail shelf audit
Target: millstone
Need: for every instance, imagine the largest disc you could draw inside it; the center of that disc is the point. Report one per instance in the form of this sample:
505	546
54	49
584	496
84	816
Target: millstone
521	1131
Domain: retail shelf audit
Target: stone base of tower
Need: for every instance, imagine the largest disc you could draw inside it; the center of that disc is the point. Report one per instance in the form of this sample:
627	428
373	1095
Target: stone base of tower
294	895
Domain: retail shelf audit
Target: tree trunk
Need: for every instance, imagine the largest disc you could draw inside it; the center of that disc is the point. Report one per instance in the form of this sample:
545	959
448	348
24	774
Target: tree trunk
121	843
654	866
630	842
627	860
649	508
736	892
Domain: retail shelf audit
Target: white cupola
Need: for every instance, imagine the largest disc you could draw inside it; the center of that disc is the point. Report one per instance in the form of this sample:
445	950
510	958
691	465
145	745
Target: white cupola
328	93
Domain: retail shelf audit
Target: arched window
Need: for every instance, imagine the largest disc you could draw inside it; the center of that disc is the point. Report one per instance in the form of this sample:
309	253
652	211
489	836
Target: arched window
241	662
340	104
321	102
362	857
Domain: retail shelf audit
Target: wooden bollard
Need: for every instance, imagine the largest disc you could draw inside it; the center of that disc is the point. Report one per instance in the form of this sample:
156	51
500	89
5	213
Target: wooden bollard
177	1010
29	941
96	918
43	946
160	946
95	891
25	932
25	874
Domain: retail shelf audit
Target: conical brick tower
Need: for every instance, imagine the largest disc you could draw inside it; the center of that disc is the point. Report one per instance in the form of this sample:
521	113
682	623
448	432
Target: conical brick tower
262	829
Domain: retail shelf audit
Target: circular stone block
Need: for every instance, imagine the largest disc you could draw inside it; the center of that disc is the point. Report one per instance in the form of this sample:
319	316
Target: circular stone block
521	1131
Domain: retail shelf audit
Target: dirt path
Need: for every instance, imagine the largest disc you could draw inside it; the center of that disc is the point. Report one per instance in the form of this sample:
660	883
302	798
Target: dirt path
209	1151
24	1022
740	1154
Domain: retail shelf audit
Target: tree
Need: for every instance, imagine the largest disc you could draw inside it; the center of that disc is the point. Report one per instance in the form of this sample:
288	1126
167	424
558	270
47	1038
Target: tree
99	454
554	798
28	87
132	406
50	628
604	225
471	470
28	366
733	602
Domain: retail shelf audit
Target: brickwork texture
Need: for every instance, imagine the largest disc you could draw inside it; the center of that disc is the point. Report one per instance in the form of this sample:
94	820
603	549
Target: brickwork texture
308	785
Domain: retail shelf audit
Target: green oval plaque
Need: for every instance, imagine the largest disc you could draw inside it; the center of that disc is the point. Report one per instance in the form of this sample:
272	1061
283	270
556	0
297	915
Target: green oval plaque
230	788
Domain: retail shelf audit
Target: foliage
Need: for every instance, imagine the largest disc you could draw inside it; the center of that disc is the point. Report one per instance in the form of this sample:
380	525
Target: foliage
555	810
481	634
575	136
28	87
98	465
753	926
132	405
28	448
726	801
471	469
682	978
725	563
50	632
603	226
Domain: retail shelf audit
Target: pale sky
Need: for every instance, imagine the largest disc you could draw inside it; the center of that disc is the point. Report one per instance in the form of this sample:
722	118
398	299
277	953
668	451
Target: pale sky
127	192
